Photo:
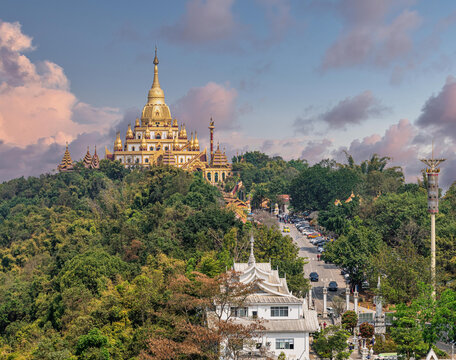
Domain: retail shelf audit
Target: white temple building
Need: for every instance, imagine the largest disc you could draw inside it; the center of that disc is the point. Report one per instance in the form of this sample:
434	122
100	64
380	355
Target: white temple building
286	319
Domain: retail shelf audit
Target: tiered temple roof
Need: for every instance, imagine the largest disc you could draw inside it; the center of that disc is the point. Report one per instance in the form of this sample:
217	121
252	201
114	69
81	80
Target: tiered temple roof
87	159
67	163
95	164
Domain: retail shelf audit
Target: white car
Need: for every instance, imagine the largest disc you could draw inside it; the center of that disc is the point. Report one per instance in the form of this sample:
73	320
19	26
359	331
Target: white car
320	249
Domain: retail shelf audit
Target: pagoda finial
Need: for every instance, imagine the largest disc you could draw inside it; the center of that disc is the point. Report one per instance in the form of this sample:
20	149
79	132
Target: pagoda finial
156	94
156	58
252	256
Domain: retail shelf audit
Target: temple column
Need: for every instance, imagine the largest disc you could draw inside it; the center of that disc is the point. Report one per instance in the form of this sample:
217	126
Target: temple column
355	294
347	298
310	298
325	296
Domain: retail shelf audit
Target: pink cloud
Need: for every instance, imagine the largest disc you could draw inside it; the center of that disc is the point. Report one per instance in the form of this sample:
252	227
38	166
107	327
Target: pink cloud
204	21
35	100
38	112
438	115
214	23
201	103
368	37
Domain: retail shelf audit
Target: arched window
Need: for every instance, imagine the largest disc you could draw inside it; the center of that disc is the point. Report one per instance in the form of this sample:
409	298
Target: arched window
151	148
166	148
216	177
223	176
209	176
132	148
146	160
137	161
158	135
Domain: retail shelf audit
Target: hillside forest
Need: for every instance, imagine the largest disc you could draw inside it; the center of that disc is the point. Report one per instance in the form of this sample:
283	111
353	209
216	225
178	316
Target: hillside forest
117	263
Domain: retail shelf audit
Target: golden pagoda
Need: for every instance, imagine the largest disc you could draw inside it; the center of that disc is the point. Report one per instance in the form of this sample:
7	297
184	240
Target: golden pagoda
158	139
67	163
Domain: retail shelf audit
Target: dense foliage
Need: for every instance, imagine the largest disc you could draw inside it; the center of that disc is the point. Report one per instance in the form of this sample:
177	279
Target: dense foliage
101	264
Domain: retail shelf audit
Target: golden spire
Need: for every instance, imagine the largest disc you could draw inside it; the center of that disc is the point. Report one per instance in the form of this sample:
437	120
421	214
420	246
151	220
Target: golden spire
118	143
129	132
191	141
143	145
175	145
137	122
196	142
184	132
156	94
147	132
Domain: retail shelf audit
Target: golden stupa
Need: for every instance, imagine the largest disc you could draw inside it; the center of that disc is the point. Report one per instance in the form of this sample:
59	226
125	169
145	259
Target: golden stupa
158	139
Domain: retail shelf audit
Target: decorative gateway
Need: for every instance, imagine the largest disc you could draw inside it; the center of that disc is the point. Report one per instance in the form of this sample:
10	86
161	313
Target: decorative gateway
158	139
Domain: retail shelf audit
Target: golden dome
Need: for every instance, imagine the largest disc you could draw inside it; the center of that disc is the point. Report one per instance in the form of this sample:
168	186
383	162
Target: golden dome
129	133
183	132
143	145
118	143
196	142
156	108
147	132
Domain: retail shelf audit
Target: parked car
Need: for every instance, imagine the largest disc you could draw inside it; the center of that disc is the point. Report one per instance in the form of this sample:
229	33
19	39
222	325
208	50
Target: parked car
313	235
365	285
313	276
332	286
321	249
286	229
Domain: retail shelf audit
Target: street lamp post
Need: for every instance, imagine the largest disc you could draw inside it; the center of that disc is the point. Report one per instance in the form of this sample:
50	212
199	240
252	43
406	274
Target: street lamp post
432	172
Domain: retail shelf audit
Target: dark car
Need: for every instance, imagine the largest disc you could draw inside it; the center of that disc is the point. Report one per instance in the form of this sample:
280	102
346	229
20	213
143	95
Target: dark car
332	286
313	276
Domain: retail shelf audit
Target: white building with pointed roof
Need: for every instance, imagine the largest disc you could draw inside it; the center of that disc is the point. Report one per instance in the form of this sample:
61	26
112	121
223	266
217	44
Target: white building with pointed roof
286	319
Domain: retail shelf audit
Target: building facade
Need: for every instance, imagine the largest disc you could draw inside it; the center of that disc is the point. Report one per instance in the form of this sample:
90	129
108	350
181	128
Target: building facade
286	319
157	138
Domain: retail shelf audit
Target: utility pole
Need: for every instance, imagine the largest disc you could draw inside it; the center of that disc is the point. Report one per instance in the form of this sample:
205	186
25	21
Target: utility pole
432	172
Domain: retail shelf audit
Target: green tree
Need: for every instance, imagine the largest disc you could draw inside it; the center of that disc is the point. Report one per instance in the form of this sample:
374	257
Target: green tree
349	320
407	333
331	343
92	346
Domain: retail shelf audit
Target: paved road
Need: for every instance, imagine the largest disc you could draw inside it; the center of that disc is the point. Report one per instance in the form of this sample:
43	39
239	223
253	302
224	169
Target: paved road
326	272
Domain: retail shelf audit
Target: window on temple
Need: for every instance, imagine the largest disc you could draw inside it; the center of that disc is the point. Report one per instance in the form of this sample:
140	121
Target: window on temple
166	148
209	176
151	148
137	161
216	177
284	344
223	176
158	135
132	148
279	311
146	160
239	311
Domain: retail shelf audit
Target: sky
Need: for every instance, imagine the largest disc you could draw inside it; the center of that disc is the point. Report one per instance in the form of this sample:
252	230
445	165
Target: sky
294	78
